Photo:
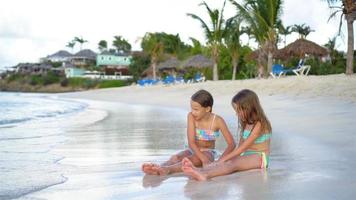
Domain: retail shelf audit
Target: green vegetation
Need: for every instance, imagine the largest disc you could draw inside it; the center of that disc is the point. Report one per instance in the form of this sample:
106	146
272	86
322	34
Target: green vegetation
112	83
55	83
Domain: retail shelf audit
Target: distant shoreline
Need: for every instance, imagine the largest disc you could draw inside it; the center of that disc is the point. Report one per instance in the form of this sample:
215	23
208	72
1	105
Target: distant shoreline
339	87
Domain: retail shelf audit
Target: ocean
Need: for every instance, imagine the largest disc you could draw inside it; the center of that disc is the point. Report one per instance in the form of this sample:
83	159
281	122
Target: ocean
30	126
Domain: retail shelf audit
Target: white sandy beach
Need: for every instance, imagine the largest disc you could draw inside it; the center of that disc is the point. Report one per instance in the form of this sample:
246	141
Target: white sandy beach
333	86
313	143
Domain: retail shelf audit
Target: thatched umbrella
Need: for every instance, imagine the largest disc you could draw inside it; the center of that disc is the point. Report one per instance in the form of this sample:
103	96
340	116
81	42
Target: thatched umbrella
169	64
299	48
254	54
148	72
198	61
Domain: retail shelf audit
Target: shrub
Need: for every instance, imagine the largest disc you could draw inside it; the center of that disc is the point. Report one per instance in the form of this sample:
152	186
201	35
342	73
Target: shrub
36	80
112	83
64	82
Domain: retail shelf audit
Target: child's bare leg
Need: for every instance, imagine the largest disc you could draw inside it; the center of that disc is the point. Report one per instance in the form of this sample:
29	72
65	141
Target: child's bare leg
175	168
151	168
177	157
239	163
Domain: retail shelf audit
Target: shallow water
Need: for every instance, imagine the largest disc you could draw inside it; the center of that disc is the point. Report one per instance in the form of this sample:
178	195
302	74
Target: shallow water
31	125
311	158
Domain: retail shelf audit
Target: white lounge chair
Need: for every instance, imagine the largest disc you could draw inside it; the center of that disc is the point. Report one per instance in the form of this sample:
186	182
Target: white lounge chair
301	69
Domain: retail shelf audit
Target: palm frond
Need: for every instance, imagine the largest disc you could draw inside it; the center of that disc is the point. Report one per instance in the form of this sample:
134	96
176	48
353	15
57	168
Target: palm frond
205	27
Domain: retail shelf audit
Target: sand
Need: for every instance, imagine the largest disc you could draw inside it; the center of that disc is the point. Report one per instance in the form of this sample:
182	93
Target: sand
313	142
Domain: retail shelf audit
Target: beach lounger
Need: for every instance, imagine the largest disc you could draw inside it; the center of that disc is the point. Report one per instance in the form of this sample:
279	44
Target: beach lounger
199	78
278	70
301	69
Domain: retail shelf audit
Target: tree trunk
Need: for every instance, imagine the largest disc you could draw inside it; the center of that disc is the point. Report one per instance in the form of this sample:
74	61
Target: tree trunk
154	68
215	71
260	71
215	67
269	63
350	44
234	68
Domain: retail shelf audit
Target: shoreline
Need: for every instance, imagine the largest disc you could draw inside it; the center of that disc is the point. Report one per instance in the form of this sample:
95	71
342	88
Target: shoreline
338	87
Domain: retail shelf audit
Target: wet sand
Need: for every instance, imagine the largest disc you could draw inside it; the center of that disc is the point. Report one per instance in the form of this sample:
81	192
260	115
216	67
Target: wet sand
313	147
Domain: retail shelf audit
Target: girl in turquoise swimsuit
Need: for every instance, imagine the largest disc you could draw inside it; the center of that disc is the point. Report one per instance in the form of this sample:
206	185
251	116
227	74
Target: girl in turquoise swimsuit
254	144
203	129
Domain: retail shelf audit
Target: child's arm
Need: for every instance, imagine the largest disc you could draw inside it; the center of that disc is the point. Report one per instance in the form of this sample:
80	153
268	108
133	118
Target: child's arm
191	140
256	132
227	135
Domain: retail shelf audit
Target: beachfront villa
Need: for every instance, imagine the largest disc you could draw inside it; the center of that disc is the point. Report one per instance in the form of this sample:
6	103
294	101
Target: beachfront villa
74	72
37	69
85	57
116	60
59	56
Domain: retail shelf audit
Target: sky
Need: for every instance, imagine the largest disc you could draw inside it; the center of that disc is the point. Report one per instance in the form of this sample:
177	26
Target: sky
31	29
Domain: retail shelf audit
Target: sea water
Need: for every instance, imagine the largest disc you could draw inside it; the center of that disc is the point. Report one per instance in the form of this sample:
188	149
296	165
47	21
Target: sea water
30	126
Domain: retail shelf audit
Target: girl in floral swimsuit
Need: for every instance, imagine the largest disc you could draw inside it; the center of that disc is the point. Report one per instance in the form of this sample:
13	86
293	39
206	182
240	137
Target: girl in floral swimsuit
203	129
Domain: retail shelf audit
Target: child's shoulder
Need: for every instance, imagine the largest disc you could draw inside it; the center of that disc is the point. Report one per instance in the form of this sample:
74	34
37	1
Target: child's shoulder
218	118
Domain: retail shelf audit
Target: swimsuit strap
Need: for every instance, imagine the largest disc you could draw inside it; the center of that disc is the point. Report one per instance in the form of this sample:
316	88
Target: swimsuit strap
211	125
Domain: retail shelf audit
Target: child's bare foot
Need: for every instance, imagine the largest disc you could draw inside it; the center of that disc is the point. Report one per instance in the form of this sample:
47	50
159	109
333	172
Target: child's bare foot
160	170
147	169
187	163
189	169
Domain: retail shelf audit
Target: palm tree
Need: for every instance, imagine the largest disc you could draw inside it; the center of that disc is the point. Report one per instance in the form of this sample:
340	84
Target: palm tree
215	34
303	30
331	47
158	44
285	31
197	47
232	41
103	45
153	45
263	17
80	40
121	44
348	9
71	45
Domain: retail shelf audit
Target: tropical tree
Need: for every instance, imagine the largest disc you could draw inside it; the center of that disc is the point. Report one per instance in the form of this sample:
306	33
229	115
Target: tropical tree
284	31
121	44
197	46
158	44
71	45
213	34
331	46
153	45
103	45
348	10
263	17
80	40
303	30
232	41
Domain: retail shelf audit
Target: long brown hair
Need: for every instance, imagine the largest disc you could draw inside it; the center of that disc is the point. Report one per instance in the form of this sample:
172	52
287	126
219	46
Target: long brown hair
248	101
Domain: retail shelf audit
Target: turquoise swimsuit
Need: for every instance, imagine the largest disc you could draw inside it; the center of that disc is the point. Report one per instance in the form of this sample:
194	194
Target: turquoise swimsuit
261	139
